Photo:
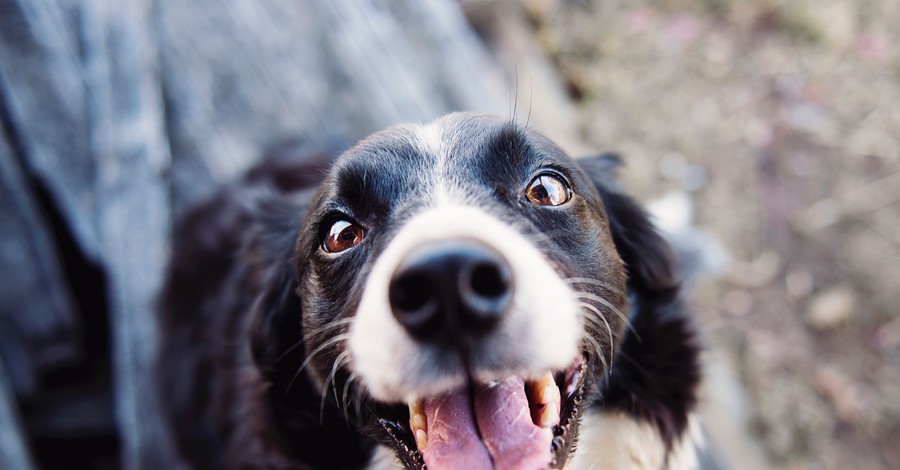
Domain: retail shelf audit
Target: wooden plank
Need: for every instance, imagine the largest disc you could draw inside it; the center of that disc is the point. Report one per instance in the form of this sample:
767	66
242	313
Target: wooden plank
38	328
43	90
239	76
13	450
131	154
82	90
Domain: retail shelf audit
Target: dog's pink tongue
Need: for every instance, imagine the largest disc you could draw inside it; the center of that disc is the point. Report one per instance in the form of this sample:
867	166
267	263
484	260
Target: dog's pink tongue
452	439
511	439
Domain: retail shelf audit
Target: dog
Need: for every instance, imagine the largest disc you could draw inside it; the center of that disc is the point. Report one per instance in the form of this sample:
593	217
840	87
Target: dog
460	294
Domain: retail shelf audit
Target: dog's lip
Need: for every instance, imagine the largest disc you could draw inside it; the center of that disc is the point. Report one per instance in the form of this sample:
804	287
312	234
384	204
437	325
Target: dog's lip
573	390
571	383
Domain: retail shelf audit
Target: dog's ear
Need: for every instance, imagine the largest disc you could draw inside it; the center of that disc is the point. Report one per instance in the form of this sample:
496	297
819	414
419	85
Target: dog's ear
277	194
657	371
647	256
274	326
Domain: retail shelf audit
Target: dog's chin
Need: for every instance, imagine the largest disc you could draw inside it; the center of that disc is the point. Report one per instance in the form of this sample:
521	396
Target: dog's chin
515	422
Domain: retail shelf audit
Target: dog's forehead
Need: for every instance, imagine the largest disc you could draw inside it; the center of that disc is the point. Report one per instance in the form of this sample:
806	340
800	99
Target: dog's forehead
452	141
450	157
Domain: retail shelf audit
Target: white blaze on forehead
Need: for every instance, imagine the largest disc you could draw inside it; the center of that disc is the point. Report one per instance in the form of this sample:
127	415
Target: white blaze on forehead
433	139
541	332
430	139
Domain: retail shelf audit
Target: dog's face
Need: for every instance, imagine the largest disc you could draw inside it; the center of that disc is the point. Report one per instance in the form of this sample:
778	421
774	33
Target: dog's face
461	292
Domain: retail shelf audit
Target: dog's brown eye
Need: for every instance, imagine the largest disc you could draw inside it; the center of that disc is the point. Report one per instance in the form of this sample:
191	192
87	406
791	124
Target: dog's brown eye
548	190
342	236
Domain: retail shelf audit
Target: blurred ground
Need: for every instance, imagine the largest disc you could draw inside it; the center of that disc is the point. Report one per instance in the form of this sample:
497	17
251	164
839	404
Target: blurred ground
781	120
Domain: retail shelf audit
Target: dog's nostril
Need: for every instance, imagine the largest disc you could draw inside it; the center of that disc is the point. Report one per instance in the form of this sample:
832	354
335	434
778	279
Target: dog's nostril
488	280
411	292
412	296
485	290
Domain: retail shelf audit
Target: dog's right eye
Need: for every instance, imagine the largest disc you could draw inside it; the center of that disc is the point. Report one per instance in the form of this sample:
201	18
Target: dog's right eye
342	235
548	189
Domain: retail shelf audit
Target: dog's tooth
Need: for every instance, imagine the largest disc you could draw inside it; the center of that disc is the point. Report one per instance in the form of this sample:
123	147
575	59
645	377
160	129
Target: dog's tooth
545	401
418	423
421	439
550	394
550	414
542	387
416	408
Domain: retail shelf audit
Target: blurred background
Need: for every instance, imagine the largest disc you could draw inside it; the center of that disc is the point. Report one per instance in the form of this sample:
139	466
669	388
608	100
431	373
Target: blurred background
763	135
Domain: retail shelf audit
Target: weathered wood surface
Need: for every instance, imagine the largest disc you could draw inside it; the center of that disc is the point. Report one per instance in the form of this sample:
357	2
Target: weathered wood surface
13	451
37	323
270	70
119	113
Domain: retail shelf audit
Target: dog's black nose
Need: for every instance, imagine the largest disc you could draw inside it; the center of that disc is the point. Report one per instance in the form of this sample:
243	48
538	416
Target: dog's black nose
451	289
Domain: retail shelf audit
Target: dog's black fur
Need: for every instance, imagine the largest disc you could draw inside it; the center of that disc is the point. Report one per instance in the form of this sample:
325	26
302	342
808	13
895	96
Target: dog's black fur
233	306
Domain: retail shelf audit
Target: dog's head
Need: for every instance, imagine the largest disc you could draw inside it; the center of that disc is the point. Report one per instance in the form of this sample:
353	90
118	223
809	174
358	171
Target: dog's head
464	288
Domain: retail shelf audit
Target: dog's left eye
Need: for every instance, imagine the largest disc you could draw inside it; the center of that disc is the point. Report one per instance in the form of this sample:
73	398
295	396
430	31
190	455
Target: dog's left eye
548	189
342	235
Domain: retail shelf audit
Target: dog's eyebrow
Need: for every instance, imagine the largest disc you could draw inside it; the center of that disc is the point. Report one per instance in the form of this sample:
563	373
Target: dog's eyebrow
487	140
509	142
368	184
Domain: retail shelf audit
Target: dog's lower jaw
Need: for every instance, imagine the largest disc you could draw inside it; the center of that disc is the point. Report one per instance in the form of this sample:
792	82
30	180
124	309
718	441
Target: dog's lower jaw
495	437
604	440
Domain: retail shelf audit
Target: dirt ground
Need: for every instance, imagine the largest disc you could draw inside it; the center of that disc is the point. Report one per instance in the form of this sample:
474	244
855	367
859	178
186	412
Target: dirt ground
781	122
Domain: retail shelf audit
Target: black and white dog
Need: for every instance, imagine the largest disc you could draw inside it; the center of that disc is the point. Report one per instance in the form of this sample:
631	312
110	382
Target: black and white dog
459	295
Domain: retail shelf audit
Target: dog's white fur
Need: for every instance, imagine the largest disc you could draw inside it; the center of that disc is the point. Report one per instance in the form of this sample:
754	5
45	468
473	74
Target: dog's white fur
617	441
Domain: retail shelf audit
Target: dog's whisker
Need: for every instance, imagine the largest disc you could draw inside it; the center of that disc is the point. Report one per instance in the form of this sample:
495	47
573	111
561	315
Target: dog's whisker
600	324
326	327
341	361
318	331
338	362
585	296
599	351
605	323
530	99
597	347
357	405
312	355
344	403
515	102
596	282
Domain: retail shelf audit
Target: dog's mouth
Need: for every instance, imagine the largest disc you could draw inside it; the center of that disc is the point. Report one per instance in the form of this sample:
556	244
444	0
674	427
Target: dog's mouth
513	423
